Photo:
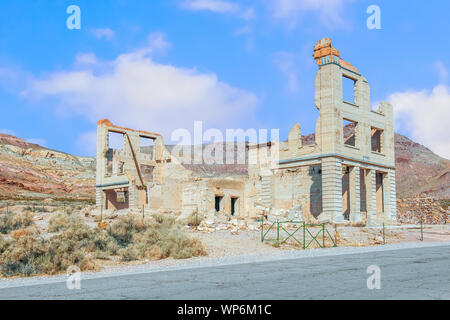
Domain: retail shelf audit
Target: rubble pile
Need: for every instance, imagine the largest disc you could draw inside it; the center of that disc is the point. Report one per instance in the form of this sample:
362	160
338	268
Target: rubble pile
218	221
425	209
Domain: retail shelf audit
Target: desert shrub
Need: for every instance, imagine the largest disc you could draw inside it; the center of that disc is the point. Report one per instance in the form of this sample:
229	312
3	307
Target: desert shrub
63	221
10	222
29	256
129	253
161	239
19	256
123	229
445	203
77	244
81	236
179	246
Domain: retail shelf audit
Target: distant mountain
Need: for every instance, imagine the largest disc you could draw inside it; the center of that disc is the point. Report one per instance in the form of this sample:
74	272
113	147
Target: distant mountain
29	170
420	171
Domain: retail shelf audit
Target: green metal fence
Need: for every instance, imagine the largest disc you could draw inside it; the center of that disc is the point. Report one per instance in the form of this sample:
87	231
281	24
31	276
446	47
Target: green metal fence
308	233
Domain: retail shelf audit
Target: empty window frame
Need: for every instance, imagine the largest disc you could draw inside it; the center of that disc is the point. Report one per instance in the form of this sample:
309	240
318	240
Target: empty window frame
115	140
377	140
146	144
349	132
348	89
109	162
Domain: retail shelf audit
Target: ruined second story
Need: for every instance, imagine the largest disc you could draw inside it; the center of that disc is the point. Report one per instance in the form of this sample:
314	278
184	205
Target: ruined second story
129	156
347	125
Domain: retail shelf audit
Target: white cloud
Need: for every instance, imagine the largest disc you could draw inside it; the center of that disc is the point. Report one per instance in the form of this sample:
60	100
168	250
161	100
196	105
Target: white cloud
158	43
292	11
103	33
86	58
134	90
286	63
218	6
442	71
425	115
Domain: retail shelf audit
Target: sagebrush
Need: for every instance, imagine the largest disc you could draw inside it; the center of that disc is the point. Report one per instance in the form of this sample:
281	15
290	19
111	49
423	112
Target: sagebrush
75	243
14	221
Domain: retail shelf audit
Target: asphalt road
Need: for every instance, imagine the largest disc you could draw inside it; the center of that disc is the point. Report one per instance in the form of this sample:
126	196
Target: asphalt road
420	273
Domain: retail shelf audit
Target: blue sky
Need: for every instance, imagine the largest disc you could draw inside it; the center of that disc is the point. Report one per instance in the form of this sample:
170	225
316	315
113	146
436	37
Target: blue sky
160	65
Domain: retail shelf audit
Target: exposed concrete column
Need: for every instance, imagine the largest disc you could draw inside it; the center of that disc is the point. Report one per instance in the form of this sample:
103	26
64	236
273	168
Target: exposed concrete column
99	198
386	198
102	143
266	188
332	190
133	196
355	209
391	196
371	198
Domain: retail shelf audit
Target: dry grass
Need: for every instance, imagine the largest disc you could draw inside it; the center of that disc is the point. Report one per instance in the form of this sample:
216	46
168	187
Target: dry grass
162	238
63	221
77	244
10	221
29	256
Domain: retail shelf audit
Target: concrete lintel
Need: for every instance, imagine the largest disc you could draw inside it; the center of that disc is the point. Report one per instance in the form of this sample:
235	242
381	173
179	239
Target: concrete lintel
337	155
111	184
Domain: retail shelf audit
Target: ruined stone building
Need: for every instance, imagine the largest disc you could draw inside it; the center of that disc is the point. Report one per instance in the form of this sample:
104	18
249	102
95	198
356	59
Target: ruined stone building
345	172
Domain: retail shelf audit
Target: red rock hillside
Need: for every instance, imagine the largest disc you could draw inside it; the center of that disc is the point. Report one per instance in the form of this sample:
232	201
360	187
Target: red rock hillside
31	171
